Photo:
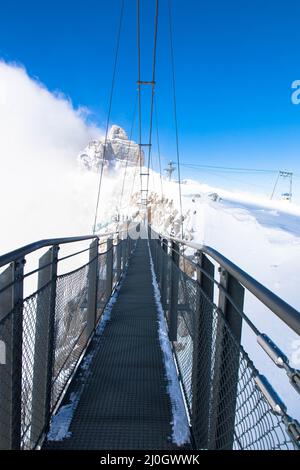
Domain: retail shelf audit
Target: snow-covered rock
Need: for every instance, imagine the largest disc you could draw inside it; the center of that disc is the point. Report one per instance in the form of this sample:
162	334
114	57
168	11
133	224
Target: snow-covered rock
119	150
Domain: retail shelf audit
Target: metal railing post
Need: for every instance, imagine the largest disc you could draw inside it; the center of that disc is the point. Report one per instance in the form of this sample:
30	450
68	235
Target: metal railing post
202	352
153	244
174	280
119	257
128	243
123	253
109	268
157	258
11	300
127	248
164	272
160	262
44	344
17	353
92	289
130	240
6	305
226	369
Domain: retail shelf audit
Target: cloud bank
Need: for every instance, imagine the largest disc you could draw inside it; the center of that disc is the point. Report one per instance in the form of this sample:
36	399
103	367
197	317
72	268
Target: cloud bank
41	133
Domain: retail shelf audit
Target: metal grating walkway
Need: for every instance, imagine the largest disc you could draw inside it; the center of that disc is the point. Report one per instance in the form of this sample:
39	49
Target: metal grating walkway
124	402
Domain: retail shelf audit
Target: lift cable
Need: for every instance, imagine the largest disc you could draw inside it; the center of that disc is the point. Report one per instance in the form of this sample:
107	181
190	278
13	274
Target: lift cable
250	170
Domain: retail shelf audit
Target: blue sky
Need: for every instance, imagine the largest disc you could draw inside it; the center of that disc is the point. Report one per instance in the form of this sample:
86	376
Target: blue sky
235	62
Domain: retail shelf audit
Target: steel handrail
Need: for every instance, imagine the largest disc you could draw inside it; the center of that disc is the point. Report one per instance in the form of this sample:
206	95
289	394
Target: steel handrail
19	253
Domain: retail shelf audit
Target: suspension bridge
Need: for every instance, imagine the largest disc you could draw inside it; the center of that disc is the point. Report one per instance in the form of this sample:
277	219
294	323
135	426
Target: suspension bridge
136	341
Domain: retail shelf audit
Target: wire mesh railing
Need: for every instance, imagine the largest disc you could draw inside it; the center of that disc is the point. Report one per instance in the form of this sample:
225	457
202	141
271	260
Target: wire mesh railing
44	336
230	404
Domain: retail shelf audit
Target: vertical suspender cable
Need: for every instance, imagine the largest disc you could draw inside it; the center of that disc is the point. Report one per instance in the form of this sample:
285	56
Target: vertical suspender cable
158	149
140	83
175	110
128	152
139	89
109	110
153	90
133	181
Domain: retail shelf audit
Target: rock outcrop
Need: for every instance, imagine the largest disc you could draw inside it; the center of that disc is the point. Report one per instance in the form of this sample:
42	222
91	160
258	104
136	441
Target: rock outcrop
119	149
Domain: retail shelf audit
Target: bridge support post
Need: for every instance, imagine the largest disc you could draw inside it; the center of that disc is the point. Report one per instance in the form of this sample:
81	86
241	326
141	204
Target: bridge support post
202	352
92	289
109	267
164	272
44	344
160	262
153	244
155	248
174	281
11	300
128	248
225	381
123	250
119	257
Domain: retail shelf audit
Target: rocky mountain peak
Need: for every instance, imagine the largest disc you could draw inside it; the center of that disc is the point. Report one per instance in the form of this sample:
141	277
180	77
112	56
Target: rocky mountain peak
117	132
119	149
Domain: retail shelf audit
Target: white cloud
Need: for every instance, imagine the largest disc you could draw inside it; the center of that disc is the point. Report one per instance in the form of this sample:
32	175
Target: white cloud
40	136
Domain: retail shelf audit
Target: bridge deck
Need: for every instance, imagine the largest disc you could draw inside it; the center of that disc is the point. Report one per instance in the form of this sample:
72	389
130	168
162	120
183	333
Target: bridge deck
124	402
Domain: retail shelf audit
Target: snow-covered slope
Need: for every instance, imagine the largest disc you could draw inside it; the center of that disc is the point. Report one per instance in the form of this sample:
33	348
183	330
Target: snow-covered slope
261	236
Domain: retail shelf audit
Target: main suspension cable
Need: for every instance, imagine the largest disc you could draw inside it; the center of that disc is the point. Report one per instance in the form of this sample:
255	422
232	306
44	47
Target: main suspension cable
109	110
140	83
